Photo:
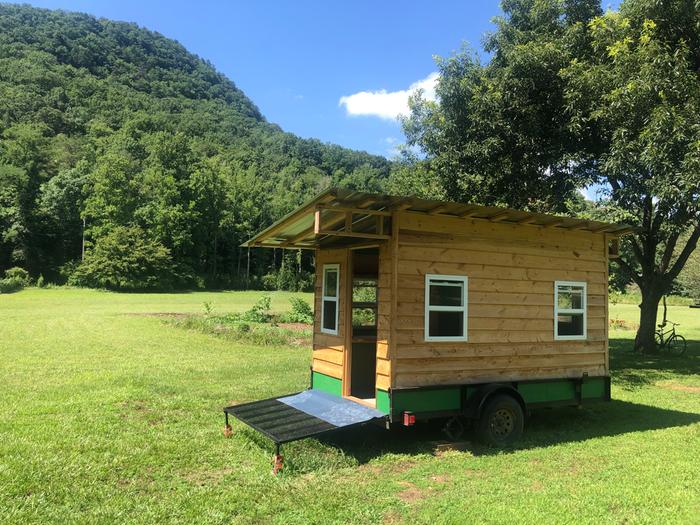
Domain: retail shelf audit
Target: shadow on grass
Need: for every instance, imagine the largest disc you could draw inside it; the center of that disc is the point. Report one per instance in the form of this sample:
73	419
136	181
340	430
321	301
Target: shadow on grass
545	428
631	370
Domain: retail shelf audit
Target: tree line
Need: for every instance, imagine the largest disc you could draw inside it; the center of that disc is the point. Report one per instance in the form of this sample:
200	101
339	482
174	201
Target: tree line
127	162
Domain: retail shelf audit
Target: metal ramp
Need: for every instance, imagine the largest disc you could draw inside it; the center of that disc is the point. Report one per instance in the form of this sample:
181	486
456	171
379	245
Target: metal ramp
298	416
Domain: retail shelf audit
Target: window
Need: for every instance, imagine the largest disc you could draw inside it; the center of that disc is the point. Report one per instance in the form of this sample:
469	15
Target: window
445	308
329	299
569	310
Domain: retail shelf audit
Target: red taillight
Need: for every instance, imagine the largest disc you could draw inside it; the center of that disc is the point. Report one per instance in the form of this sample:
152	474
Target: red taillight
409	418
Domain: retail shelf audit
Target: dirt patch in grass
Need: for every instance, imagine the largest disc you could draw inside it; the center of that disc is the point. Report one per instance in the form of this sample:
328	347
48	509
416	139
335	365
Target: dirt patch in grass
411	493
295	327
176	315
395	467
440	478
393	517
206	477
139	409
679	388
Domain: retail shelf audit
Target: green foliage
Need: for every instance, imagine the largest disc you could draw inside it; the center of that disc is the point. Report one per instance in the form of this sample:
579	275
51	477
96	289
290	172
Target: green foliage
15	279
572	97
11	285
290	276
235	329
19	274
301	312
127	259
259	313
40	281
105	125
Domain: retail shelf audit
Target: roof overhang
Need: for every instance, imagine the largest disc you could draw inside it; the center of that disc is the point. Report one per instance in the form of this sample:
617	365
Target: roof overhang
342	216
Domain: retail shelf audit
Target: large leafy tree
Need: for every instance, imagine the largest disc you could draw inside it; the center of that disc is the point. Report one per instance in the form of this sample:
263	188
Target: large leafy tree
638	94
573	97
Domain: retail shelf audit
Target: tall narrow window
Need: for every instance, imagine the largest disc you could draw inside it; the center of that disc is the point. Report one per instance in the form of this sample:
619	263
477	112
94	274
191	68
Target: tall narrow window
329	300
569	310
445	308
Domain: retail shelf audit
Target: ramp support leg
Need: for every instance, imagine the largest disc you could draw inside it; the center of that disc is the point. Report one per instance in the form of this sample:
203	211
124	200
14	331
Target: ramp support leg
277	460
228	431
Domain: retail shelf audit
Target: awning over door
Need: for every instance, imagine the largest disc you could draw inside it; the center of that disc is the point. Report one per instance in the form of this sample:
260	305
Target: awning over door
298	416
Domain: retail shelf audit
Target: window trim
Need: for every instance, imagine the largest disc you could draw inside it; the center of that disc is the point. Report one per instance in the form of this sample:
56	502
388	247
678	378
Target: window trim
583	310
465	296
335	299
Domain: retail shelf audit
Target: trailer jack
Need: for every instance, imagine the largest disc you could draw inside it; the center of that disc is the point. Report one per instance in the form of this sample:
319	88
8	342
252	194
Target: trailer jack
228	430
277	461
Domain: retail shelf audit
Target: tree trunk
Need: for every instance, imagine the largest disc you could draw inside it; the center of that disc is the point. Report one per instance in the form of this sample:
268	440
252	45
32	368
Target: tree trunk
645	340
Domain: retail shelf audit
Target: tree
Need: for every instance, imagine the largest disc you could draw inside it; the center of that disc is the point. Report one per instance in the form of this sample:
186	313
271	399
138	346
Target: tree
126	259
638	93
572	98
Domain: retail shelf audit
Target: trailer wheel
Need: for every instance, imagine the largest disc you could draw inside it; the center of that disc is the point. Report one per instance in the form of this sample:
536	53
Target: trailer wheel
501	422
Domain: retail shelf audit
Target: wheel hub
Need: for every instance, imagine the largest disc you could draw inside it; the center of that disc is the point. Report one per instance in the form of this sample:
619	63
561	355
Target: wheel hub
501	422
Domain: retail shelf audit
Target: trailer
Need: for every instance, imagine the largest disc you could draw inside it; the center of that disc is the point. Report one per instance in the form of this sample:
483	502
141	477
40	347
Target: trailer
429	309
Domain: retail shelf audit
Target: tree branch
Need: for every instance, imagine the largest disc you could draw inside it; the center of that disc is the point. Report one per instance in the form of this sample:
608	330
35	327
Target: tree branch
628	268
668	252
683	257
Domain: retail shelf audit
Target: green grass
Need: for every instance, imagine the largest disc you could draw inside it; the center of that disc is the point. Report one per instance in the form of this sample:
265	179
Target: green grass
111	416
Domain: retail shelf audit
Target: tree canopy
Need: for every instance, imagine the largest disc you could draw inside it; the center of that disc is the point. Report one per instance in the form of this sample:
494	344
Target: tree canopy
107	127
573	97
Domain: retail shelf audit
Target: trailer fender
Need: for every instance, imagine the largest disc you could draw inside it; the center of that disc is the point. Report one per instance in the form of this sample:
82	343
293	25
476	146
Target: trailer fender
477	402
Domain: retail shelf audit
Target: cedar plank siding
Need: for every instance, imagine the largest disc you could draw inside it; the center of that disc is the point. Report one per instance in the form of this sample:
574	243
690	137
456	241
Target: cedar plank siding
329	350
511	270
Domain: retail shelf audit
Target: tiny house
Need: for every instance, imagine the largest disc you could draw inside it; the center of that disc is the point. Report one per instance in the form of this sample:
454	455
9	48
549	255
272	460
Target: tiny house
428	309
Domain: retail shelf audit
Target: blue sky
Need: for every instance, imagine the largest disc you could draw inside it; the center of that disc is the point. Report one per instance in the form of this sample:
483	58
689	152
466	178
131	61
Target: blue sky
298	60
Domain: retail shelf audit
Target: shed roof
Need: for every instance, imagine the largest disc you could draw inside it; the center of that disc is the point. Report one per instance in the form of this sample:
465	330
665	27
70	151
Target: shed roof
338	216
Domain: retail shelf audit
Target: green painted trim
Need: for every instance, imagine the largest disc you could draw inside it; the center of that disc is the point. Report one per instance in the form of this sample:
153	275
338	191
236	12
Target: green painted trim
383	402
546	392
593	388
326	383
426	400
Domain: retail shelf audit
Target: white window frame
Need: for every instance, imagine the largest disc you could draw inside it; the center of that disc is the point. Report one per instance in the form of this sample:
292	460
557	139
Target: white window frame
428	308
324	298
564	311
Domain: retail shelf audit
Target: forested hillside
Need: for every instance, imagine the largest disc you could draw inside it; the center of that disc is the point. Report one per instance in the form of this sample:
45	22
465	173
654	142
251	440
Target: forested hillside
163	162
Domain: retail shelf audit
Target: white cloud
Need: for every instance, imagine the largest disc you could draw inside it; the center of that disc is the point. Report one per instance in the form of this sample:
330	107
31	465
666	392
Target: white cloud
387	104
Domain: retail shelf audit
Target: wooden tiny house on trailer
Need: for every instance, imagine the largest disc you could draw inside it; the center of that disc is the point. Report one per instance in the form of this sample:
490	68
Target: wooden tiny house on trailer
427	308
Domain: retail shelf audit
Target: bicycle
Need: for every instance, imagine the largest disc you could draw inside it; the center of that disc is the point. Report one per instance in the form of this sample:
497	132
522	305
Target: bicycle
669	341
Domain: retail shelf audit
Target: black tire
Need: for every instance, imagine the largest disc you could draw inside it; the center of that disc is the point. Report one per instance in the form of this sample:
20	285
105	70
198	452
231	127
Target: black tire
658	338
501	422
677	345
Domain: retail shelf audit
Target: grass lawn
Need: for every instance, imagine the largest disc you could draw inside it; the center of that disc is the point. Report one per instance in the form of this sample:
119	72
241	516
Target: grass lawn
108	415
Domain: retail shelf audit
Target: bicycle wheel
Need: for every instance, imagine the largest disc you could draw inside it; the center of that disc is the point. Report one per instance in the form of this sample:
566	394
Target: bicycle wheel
676	345
659	339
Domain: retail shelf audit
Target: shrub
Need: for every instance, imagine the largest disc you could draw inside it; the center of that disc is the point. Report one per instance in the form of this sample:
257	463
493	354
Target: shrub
259	313
15	280
127	259
11	285
18	274
301	312
40	282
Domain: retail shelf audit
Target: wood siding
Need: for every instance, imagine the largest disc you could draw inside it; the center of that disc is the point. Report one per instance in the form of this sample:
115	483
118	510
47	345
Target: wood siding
511	270
384	309
329	350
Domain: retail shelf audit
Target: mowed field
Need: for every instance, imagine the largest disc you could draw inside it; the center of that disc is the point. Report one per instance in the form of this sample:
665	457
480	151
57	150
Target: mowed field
109	414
